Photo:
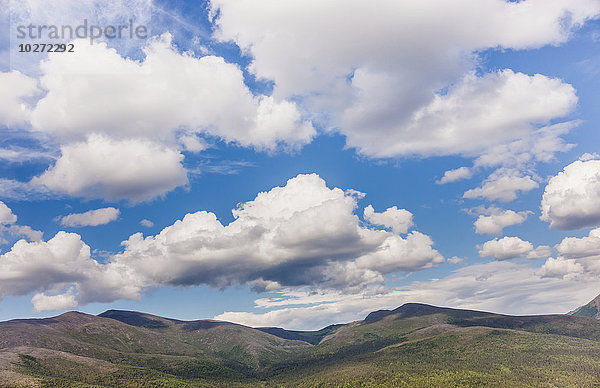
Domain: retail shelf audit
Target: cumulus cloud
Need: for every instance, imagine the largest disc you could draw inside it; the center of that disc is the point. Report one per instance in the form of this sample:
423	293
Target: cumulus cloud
573	247
502	186
193	143
516	161
571	198
134	169
399	220
16	89
155	98
40	265
455	175
512	247
498	220
456	260
42	302
161	105
560	268
523	153
300	234
23	231
380	85
589	156
91	218
6	215
146	223
303	233
395	96
48	267
540	252
578	258
476	114
9	227
386	96
498	286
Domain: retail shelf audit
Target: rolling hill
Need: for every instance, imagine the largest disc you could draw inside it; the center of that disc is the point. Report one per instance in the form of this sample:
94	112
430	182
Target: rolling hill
413	345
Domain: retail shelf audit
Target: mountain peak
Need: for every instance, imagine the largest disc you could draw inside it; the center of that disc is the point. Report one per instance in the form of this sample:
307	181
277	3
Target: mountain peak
134	318
408	310
592	309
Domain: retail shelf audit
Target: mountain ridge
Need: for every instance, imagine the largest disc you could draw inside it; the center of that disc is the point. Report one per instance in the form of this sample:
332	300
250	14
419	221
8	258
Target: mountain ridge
387	348
591	309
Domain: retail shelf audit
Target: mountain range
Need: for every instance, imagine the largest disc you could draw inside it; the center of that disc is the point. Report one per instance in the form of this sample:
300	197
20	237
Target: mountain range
412	345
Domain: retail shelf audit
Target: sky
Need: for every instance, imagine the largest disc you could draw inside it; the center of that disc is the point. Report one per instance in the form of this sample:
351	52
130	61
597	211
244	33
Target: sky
298	163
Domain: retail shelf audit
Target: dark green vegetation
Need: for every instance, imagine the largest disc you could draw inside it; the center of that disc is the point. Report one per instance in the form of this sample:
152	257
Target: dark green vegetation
413	345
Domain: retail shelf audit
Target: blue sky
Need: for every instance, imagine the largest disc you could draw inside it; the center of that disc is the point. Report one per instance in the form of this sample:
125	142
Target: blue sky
470	128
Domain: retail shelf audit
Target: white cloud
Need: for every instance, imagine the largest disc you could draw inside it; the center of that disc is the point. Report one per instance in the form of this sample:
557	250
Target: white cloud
91	218
155	98
61	262
379	84
193	143
43	302
589	156
301	234
23	231
571	198
40	265
498	220
388	94
8	226
517	159
502	186
523	153
560	268
134	169
399	220
578	258
455	175
502	287
405	84
6	215
511	248
475	114
146	223
456	260
539	252
156	107
15	89
573	247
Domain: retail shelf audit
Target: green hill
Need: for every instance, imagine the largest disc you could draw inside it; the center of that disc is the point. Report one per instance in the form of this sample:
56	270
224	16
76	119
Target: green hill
413	345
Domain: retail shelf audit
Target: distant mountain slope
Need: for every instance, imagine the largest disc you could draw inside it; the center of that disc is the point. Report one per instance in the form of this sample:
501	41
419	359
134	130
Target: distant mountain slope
413	345
419	309
312	337
134	318
112	334
591	309
572	326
